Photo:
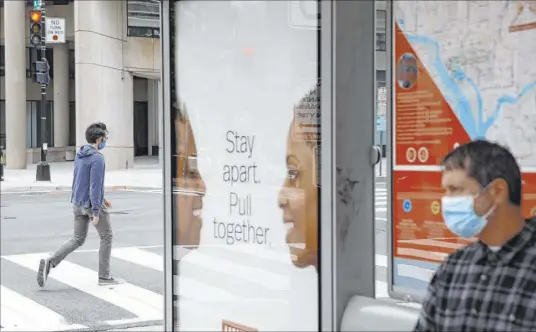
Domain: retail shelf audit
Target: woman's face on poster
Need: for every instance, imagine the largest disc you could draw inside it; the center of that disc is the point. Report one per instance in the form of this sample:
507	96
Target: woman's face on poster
190	187
298	199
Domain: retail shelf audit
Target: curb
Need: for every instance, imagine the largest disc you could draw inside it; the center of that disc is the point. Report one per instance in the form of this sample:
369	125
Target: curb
53	188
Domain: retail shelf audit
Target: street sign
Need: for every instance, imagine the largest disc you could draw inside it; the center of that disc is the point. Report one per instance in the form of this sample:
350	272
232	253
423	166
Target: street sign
55	28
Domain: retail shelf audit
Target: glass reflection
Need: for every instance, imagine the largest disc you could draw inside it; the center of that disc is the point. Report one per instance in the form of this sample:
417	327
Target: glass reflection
190	187
299	196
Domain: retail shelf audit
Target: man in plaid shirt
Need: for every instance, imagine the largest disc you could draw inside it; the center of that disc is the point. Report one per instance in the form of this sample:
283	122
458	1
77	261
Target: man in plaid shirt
489	285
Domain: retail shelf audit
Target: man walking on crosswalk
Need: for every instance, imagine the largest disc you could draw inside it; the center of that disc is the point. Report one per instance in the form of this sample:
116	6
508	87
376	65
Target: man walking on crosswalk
88	204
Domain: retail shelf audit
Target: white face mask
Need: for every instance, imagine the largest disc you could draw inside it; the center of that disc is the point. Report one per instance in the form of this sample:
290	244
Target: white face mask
460	217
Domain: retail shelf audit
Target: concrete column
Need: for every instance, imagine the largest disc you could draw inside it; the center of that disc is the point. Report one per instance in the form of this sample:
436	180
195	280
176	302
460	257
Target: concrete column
61	94
160	124
104	92
15	27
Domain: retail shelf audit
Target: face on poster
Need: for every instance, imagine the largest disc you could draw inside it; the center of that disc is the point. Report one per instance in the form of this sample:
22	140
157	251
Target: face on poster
455	80
245	108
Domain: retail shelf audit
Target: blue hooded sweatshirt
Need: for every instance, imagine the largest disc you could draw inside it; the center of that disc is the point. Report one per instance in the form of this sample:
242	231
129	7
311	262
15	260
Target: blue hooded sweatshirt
88	179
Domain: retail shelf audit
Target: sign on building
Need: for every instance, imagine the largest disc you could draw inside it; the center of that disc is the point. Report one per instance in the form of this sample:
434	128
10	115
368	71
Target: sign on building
55	28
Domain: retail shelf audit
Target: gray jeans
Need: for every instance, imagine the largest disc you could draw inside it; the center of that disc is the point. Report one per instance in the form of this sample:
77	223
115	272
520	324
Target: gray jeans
82	217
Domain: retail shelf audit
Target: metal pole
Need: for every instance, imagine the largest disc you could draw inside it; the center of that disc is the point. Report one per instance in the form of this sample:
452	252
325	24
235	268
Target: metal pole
381	146
43	169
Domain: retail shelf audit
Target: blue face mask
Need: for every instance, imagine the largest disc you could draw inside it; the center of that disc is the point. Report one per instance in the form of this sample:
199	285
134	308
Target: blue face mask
101	145
460	217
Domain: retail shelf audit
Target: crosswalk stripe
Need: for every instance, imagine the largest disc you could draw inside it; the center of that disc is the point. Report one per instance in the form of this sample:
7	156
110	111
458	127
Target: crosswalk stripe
189	288
141	302
381	289
141	257
254	275
19	313
381	260
146	305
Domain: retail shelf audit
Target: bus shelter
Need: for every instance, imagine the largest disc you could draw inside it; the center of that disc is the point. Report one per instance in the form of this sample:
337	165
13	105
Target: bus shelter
269	125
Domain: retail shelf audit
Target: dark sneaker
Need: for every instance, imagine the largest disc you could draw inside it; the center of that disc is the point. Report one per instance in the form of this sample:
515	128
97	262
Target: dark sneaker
42	273
109	281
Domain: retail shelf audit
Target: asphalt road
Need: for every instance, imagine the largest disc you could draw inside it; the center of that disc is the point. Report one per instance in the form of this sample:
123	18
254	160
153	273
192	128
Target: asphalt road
38	223
34	224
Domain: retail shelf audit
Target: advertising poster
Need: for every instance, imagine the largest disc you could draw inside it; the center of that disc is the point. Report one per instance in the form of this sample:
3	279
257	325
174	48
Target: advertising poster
245	104
463	70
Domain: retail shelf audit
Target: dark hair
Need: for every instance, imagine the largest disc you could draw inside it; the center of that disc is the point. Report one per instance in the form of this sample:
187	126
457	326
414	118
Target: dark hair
100	125
95	131
486	161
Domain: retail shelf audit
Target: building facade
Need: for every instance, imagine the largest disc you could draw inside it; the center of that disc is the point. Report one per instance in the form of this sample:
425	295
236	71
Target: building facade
108	70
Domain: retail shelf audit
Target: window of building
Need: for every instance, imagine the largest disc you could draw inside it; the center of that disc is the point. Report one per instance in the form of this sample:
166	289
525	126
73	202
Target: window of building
72	123
33	109
72	64
2	61
143	18
29	3
381	38
3	124
380	77
33	130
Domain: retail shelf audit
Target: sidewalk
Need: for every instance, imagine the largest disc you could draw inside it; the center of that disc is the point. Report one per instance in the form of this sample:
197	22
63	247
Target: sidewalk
146	174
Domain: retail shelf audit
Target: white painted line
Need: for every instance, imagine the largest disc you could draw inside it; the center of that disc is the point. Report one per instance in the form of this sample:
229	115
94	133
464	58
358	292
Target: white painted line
140	257
381	260
19	313
417	168
431	242
439	256
416	272
95	250
254	275
191	289
184	286
381	289
381	219
141	302
275	252
381	209
125	321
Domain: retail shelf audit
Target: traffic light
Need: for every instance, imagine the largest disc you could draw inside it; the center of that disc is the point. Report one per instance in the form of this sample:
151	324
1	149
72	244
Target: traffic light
35	27
40	72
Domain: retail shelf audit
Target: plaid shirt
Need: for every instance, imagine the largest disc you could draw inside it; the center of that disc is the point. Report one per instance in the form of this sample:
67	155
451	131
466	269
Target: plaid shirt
476	289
